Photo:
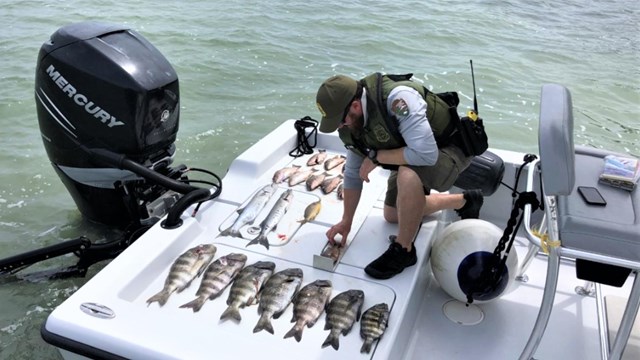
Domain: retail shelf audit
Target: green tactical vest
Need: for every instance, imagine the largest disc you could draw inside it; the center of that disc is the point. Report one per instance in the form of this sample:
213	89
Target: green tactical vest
381	131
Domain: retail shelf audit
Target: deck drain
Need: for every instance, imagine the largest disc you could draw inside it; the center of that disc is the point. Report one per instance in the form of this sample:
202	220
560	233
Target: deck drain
460	313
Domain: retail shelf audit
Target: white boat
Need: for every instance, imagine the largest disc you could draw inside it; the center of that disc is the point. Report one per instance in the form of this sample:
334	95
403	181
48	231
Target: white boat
425	321
109	316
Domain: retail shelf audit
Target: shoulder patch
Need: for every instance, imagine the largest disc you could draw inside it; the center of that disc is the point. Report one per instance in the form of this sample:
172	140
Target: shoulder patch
399	107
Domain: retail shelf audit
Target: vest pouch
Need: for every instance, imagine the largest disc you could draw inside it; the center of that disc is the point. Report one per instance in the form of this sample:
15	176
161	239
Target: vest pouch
469	135
485	172
450	97
473	138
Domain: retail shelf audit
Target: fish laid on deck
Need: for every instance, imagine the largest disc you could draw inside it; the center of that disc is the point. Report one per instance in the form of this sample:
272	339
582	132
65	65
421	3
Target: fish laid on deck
334	161
373	324
273	218
311	212
246	287
250	212
317	158
342	312
276	296
216	278
301	176
330	184
308	304
332	251
284	173
315	180
338	169
185	268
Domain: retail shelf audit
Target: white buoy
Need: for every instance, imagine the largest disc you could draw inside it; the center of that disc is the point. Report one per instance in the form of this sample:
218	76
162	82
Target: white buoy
460	254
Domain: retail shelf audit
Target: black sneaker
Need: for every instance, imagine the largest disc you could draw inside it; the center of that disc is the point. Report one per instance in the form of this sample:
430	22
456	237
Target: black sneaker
471	208
391	262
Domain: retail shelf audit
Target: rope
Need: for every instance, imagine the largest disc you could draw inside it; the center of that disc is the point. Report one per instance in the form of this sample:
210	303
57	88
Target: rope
302	143
527	159
491	275
545	243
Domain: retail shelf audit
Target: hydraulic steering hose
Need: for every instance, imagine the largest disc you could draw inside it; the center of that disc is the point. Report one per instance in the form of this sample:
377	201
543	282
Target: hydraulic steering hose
122	162
191	193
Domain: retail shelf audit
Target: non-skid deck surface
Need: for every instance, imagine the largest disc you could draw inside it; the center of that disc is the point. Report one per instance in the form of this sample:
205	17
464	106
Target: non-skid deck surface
614	306
572	333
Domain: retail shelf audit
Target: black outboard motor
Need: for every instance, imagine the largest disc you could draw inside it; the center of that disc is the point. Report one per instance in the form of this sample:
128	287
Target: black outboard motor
108	107
103	87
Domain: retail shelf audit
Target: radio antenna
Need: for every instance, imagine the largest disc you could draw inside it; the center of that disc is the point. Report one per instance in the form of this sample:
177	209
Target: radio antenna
473	80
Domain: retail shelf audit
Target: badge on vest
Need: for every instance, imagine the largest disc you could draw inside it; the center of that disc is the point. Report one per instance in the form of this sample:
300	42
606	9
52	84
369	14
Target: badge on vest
381	133
399	107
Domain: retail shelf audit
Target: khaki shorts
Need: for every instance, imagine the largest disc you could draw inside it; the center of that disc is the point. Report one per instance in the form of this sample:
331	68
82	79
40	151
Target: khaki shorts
441	176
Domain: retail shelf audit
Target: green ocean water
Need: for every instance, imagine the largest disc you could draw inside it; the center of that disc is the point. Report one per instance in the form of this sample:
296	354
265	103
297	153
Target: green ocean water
246	66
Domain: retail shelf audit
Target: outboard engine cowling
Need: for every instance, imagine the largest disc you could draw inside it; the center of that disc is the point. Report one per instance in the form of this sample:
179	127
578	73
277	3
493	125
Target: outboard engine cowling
103	86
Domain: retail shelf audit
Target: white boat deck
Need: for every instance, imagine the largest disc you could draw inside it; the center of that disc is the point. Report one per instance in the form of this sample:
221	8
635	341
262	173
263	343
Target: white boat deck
572	332
418	328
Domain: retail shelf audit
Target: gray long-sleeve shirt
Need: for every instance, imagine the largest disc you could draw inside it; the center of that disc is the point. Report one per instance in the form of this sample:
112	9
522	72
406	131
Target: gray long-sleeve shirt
421	149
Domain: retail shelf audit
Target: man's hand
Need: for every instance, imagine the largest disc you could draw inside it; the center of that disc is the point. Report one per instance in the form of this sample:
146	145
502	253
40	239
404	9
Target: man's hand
343	228
366	168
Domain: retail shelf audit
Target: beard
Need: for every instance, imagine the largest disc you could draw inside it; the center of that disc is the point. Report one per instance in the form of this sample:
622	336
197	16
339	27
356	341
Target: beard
357	126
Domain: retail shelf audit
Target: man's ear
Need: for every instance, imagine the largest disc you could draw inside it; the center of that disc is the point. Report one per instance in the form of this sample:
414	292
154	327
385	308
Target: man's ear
356	105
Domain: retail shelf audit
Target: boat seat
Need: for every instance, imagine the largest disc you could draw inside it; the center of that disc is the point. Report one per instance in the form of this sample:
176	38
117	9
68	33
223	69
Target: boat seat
591	234
612	230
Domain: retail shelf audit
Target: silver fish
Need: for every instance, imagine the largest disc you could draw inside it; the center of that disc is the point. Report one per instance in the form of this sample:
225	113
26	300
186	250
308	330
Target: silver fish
373	324
308	304
334	161
342	312
300	176
315	180
330	184
317	158
276	296
284	173
216	278
311	211
340	191
250	212
185	268
246	287
271	221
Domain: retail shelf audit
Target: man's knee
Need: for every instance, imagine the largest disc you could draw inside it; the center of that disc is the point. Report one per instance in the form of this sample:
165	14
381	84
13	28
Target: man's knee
390	214
406	173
